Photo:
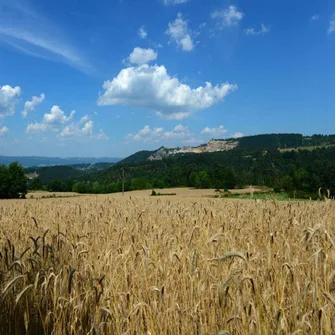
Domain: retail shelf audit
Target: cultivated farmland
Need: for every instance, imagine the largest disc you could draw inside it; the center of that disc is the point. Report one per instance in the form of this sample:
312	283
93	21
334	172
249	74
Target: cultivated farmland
151	265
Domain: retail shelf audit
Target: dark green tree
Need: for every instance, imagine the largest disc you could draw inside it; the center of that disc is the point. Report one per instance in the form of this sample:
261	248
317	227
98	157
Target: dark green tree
81	187
230	179
193	179
158	183
55	186
138	184
17	181
96	188
4	182
203	180
286	183
36	184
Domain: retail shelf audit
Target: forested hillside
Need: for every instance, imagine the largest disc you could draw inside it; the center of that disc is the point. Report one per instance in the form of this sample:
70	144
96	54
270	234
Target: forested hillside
60	178
257	160
302	170
64	172
138	157
282	141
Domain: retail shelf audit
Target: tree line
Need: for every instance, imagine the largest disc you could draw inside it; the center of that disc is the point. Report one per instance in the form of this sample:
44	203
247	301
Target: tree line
300	172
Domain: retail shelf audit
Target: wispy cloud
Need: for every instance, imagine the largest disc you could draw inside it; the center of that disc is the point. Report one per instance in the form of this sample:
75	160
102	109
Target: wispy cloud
29	32
253	32
180	33
174	2
142	32
315	17
227	17
3	131
331	28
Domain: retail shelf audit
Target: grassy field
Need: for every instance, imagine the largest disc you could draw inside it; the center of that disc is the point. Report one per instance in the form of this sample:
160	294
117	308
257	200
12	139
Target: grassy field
263	196
166	265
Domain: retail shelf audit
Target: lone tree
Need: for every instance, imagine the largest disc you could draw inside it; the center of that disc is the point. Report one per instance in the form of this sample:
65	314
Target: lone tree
13	182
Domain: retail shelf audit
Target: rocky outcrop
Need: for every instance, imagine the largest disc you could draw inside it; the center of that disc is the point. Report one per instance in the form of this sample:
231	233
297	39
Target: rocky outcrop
211	146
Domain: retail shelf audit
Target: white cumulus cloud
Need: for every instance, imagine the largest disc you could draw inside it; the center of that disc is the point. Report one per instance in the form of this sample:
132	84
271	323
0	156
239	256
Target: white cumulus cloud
227	17
67	132
180	33
252	31
145	131
51	121
142	32
179	133
84	119
36	128
9	97
77	130
153	88
237	135
29	106
83	128
214	132
64	126
88	128
57	116
141	56
3	131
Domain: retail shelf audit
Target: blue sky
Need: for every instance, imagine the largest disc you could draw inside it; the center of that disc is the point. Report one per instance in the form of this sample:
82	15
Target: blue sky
111	77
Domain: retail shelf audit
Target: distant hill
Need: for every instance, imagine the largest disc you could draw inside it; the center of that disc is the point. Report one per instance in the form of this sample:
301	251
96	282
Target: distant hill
290	162
28	161
138	157
265	141
64	172
285	141
300	171
54	173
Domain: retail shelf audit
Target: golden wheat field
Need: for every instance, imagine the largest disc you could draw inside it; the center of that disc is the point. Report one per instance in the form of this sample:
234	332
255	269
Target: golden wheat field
161	265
